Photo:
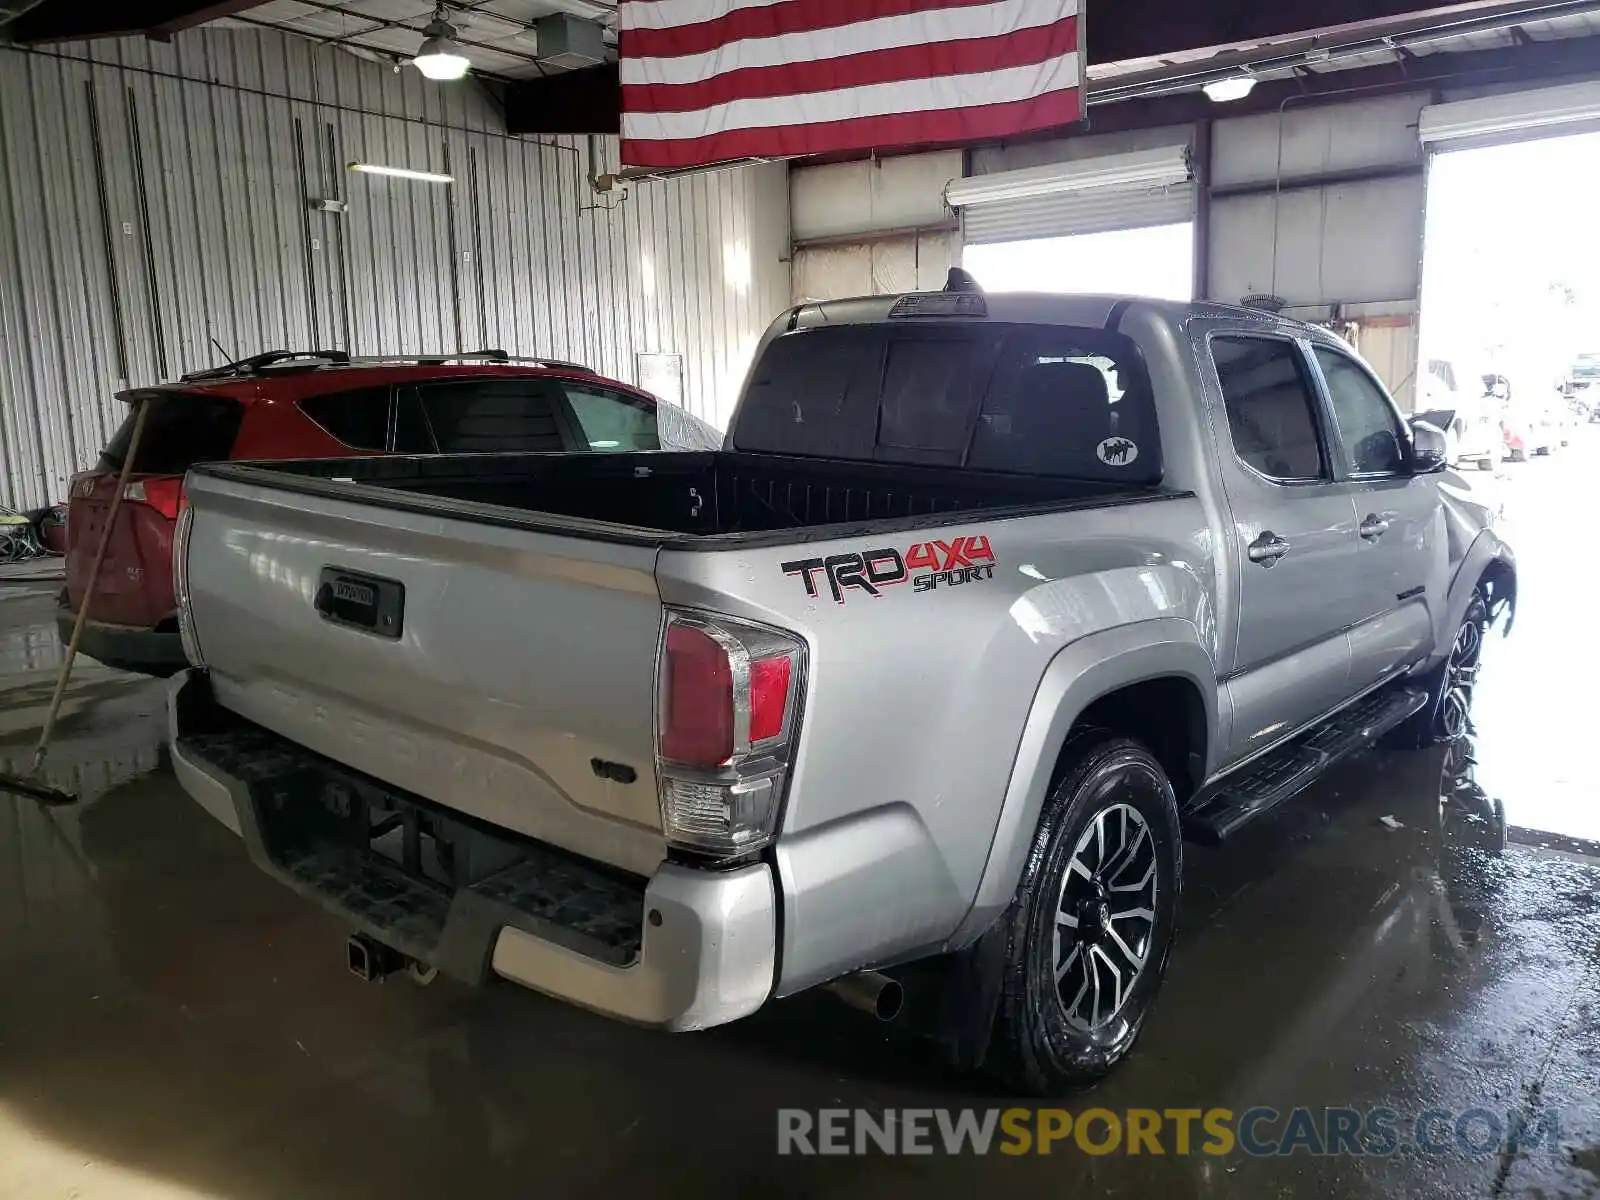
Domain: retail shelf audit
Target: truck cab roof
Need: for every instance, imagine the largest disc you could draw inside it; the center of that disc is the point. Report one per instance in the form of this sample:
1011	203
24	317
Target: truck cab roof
1046	308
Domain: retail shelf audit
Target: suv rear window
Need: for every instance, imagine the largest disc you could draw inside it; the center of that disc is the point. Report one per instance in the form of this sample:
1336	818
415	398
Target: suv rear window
1024	399
183	428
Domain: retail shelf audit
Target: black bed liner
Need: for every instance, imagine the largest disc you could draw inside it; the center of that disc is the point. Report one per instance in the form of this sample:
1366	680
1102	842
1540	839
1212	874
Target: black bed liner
687	500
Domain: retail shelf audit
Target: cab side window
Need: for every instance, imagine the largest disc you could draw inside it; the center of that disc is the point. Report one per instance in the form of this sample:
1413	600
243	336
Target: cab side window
1271	408
1369	426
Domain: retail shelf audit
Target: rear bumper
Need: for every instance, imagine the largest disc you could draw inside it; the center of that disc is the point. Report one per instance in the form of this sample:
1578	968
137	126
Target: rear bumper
147	651
687	950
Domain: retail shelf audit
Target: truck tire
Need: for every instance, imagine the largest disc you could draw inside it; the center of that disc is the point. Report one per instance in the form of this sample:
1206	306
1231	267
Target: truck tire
1446	715
1087	936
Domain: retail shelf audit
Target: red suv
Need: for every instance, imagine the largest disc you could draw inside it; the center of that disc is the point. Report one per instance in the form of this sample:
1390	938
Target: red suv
323	405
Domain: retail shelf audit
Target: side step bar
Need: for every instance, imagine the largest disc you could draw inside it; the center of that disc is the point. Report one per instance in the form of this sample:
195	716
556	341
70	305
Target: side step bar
1266	783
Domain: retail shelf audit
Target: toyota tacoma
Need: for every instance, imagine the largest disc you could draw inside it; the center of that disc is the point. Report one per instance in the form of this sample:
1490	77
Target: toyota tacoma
985	605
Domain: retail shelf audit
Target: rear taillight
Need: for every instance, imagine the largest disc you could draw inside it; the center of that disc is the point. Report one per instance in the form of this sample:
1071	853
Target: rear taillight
697	698
164	495
728	715
180	588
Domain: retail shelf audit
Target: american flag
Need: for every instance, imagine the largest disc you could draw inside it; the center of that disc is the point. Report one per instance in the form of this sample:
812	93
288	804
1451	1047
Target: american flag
707	81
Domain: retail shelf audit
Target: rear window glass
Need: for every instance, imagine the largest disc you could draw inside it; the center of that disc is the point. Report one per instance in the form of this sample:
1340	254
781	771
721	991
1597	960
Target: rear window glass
181	430
1024	399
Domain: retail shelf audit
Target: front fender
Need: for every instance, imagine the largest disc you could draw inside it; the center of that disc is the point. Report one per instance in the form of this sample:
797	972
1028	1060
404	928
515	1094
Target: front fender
1487	552
1080	674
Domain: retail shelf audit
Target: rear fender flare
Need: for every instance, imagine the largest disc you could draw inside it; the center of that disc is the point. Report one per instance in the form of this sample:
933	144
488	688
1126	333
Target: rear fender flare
1080	674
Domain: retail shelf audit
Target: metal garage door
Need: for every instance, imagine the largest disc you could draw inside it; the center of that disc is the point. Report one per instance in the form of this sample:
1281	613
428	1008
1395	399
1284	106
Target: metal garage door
1117	191
1490	120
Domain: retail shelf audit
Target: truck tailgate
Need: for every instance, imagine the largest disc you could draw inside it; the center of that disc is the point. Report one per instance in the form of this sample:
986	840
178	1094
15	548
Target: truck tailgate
513	681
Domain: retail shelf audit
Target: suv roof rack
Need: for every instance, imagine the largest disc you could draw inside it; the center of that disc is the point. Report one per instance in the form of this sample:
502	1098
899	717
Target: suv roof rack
270	358
312	359
489	356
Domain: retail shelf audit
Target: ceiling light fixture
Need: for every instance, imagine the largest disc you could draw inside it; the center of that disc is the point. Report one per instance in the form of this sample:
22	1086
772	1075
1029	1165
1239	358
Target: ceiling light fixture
440	56
1234	87
401	172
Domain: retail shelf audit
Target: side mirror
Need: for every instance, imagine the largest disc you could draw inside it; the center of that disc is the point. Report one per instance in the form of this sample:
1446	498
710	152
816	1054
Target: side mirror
1429	452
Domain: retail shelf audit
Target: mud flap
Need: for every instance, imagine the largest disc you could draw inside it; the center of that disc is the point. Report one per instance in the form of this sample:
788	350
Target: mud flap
970	998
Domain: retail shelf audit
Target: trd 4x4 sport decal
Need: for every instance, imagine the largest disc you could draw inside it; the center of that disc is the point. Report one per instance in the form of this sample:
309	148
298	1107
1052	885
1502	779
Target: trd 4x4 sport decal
947	564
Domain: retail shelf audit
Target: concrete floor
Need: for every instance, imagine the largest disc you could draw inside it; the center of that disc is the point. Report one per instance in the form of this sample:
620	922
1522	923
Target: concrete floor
174	1024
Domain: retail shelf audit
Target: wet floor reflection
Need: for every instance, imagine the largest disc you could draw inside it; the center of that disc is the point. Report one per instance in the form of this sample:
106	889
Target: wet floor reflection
111	727
34	646
188	1019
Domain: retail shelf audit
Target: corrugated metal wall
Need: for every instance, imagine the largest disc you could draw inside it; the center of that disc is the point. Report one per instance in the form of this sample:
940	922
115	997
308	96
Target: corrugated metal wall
866	228
156	205
910	262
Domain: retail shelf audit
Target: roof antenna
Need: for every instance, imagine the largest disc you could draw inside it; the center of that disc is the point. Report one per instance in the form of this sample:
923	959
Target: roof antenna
961	281
227	360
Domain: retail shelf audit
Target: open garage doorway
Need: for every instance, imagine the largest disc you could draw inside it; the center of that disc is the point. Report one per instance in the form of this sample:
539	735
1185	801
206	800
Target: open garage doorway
1153	261
1510	307
1089	221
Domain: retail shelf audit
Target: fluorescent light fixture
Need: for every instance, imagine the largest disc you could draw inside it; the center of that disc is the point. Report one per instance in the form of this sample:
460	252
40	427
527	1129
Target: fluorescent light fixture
1135	171
401	172
1234	87
440	56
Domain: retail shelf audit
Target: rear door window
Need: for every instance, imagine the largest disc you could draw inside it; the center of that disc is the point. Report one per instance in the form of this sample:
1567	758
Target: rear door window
182	429
359	419
493	415
1271	407
1022	399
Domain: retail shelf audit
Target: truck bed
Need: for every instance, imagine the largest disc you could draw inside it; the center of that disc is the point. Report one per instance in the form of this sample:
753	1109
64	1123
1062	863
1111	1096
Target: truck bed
708	498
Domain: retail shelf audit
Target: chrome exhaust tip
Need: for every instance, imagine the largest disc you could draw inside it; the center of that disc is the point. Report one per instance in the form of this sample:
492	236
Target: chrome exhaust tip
872	993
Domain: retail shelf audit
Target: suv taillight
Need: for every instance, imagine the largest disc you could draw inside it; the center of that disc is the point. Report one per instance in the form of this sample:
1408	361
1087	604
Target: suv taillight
727	719
164	495
180	587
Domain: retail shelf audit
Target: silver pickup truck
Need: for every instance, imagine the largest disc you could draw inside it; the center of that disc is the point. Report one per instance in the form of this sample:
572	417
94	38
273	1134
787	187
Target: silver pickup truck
985	605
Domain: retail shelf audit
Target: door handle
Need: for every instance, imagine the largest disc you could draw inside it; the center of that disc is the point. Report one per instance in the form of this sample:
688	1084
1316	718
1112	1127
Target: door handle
1374	527
1267	549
